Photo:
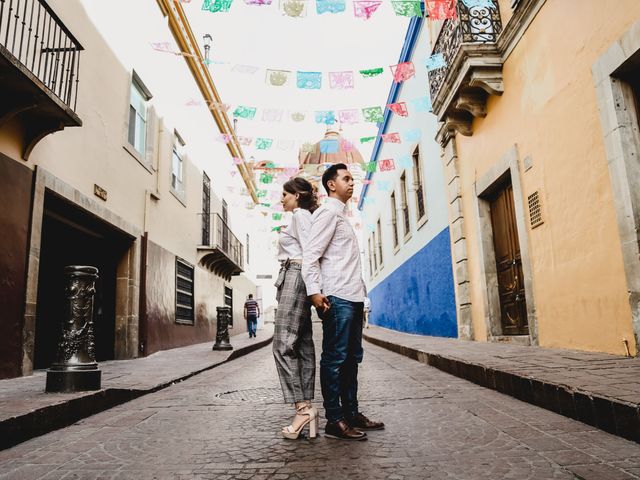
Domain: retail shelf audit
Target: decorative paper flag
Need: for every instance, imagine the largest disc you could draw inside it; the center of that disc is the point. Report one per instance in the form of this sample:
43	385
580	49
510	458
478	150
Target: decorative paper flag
349	117
248	69
371	72
411	135
266	178
291	171
233	173
373	114
278	207
399	108
162	47
391	137
285	144
225	138
435	61
365	8
407	8
404	161
237	161
263	143
261	193
272	114
276	216
328	117
384	185
245	140
331	6
441	9
367	182
422	104
308	147
387	165
245	112
402	71
294	8
346	145
277	78
193	103
275	195
258	2
340	80
369	166
367	139
309	80
222	107
276	229
298	116
479	3
329	146
214	6
269	165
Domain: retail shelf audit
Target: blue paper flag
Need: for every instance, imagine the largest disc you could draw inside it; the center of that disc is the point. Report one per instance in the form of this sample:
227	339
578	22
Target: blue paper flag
411	135
435	61
328	117
422	104
309	80
404	161
329	146
331	6
479	3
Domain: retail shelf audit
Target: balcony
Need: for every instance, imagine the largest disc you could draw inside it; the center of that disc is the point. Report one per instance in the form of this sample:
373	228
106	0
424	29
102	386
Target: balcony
221	252
39	70
473	69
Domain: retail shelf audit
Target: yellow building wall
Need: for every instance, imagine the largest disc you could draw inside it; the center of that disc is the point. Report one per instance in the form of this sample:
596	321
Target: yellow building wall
549	111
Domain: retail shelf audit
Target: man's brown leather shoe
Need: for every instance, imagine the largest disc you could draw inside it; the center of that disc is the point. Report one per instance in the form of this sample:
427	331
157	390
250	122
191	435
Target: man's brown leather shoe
363	423
342	431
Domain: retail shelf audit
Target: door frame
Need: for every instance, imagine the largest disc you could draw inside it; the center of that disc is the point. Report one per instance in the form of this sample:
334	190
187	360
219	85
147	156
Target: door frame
507	166
128	270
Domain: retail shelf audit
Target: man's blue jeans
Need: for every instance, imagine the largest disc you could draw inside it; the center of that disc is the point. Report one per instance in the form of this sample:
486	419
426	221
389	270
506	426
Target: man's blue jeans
252	323
341	354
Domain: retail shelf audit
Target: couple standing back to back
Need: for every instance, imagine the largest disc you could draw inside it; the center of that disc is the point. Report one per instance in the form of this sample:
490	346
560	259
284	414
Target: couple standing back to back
320	260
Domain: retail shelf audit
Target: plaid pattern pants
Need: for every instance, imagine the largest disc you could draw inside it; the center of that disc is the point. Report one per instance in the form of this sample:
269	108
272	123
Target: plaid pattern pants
293	347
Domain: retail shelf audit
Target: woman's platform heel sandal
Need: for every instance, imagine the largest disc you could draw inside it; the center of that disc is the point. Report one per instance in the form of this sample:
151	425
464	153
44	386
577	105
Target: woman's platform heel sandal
312	420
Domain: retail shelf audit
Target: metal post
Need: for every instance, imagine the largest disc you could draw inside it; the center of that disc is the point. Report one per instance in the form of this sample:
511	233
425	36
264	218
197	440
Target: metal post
222	330
76	368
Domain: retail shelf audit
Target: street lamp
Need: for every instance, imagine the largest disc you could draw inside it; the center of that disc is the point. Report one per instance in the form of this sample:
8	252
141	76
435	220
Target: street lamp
207	40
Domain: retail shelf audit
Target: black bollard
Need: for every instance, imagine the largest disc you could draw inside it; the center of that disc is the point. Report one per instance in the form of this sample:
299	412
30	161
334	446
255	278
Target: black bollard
222	329
76	369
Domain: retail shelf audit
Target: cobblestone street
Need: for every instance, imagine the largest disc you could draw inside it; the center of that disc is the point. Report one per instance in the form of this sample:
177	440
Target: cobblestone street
224	424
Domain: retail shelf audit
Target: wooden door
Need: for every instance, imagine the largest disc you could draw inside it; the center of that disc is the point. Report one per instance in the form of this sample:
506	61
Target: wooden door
513	305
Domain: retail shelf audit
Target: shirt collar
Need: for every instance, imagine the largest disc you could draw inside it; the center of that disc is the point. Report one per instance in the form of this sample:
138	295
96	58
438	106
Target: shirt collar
335	204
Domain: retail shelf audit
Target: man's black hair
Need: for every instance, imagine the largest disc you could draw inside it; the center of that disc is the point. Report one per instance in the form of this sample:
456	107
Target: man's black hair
331	173
251	295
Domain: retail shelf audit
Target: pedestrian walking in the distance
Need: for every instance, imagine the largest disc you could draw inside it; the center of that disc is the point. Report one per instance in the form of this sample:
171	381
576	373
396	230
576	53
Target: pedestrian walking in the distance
251	314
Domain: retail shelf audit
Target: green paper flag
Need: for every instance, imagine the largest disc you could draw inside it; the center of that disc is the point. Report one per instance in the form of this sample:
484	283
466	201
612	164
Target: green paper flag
367	139
276	216
373	114
261	193
245	112
371	72
369	166
214	6
266	178
276	229
407	8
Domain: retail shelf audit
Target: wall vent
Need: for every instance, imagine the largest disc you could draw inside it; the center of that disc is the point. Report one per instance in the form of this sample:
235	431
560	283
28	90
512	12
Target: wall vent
535	210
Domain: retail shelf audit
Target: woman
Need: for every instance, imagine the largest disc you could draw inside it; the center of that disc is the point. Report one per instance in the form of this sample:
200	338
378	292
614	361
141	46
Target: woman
293	341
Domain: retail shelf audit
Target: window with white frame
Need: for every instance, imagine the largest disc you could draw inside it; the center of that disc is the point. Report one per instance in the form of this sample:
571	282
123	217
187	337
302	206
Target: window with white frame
417	185
375	255
404	204
379	230
394	219
138	106
371	270
177	164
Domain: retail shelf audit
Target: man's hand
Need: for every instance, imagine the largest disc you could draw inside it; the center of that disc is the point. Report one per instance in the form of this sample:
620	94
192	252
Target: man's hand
320	302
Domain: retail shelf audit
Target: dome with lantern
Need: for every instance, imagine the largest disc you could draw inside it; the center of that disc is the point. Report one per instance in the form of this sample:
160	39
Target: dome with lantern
333	148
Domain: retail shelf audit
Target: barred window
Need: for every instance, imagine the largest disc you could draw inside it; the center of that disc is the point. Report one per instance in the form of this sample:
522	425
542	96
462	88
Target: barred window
379	227
404	204
417	184
394	219
184	293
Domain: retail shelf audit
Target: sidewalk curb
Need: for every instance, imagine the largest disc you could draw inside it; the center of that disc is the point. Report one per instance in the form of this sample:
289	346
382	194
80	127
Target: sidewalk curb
611	415
38	422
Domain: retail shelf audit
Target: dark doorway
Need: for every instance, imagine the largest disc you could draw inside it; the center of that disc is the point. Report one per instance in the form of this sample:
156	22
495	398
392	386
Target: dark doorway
71	236
513	305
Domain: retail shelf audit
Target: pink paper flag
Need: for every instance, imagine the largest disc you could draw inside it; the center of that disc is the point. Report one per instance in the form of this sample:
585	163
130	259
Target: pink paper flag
441	9
365	8
346	145
162	47
402	71
386	165
349	117
399	108
193	103
222	107
237	161
245	140
391	137
367	182
341	80
225	138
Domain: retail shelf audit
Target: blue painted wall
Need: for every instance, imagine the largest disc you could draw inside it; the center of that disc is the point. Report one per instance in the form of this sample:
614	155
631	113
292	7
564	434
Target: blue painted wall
418	297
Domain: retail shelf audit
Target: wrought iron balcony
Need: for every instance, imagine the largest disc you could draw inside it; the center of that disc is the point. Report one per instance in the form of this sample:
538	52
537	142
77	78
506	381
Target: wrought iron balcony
472	65
221	252
39	69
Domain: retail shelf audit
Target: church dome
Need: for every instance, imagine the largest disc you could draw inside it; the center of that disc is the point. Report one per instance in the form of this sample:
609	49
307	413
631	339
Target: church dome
333	148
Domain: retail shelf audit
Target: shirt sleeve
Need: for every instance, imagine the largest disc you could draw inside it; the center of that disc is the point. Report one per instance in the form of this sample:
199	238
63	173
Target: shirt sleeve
323	227
301	227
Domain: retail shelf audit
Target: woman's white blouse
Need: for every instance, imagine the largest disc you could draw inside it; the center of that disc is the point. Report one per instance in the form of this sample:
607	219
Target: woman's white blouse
295	235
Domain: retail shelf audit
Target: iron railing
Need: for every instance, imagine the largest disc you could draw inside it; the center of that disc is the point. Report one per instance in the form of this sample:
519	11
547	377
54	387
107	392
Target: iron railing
223	239
473	25
32	32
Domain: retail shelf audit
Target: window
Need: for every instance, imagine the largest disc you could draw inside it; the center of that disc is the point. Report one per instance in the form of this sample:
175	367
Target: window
404	205
247	248
228	301
394	219
375	255
379	230
370	259
184	292
417	184
177	164
137	134
206	209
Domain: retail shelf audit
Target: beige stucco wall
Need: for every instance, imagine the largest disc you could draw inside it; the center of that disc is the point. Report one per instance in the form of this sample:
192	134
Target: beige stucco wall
549	111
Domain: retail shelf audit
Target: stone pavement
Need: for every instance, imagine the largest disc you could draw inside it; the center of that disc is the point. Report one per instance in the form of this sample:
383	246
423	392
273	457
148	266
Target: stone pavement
223	424
598	389
27	411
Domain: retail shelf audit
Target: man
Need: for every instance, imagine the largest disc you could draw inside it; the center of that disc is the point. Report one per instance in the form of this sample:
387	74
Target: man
333	276
251	314
367	311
